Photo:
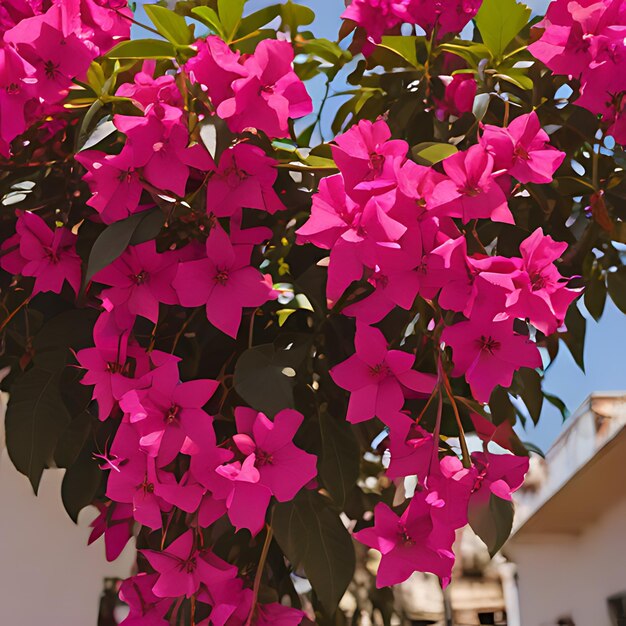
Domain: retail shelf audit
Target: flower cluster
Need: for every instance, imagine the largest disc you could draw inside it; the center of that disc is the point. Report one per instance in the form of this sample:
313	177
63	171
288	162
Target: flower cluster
379	17
397	227
586	40
44	47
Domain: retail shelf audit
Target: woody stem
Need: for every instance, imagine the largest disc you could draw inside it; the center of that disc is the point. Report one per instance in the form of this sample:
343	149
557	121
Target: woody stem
464	451
259	573
13	314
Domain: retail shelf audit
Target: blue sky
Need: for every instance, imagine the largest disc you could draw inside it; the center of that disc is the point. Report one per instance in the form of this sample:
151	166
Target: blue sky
606	341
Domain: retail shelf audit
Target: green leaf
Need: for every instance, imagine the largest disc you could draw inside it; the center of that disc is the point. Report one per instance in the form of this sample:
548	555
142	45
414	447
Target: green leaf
313	537
430	152
230	12
171	25
327	50
492	521
617	288
209	18
258	19
499	21
73	439
142	49
114	239
81	482
472	52
265	368
36	416
404	47
517	78
531	392
558	403
574	338
595	293
339	463
296	15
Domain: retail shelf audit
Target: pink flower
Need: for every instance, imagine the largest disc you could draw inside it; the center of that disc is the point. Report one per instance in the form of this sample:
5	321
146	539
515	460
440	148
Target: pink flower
182	568
115	182
133	478
415	541
115	522
47	255
146	90
146	609
488	353
113	364
447	16
224	282
215	67
522	148
375	17
458	96
275	614
273	465
269	94
367	157
498	474
541	293
244	178
140	279
471	192
377	377
168	414
411	449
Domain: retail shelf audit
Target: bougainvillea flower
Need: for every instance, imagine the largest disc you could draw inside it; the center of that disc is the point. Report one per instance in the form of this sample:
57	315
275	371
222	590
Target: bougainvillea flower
414	541
168	414
375	17
458	97
134	483
146	90
275	614
182	568
446	16
224	282
488	353
215	67
471	192
411	449
523	149
47	255
541	293
113	364
115	522
273	466
140	279
115	182
146	609
367	157
244	178
376	377
498	474
269	95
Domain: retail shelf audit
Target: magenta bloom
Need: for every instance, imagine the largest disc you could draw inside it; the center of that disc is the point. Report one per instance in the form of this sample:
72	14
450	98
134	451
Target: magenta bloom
498	474
415	541
447	16
269	95
458	96
411	449
115	522
140	279
541	293
224	282
215	67
244	178
114	181
146	609
168	414
488	353
377	377
182	568
275	614
471	192
375	17
146	90
132	478
47	255
273	465
522	148
367	157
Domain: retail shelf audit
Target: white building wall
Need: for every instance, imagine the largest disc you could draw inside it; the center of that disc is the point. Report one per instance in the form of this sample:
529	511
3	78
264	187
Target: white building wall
561	576
48	574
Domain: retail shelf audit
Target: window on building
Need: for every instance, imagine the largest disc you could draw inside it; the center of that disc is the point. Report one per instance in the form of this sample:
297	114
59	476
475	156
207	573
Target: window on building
617	609
497	618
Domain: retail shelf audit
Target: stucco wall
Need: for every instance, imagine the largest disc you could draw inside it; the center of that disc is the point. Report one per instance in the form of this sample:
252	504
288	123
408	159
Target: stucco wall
48	574
561	576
